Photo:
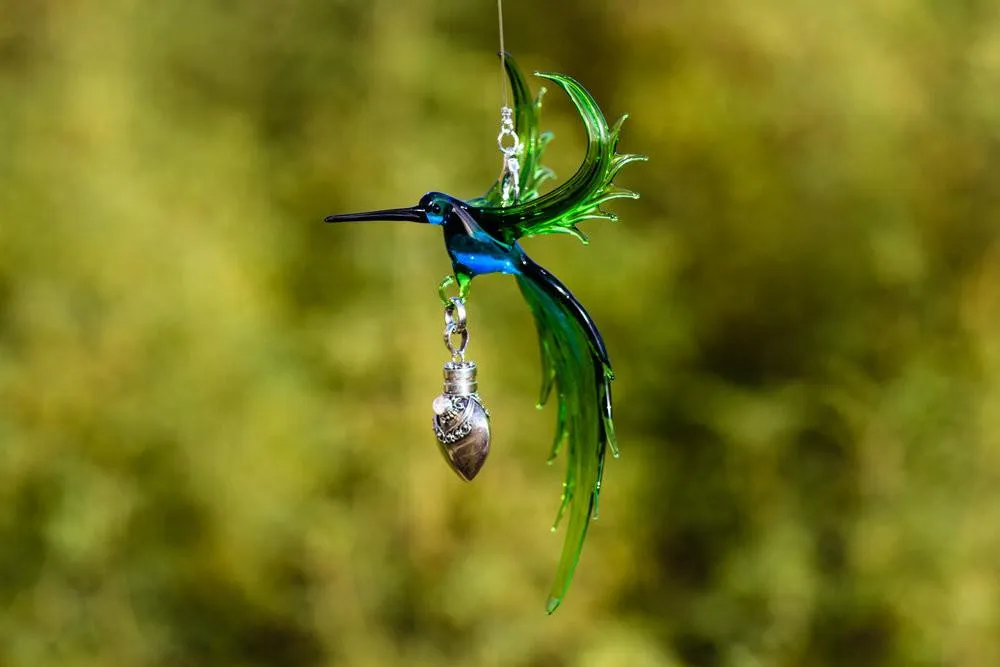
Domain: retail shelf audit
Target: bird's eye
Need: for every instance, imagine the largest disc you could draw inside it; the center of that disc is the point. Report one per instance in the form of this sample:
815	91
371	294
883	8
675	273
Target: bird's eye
436	208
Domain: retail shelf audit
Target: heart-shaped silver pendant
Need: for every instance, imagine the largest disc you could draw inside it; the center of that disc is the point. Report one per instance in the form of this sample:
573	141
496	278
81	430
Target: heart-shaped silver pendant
461	421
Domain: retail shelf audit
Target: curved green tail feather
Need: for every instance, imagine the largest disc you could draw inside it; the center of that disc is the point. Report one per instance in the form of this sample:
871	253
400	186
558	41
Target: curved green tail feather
575	363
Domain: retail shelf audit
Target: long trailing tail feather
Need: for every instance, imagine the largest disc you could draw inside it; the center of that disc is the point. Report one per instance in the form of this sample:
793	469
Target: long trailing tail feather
574	363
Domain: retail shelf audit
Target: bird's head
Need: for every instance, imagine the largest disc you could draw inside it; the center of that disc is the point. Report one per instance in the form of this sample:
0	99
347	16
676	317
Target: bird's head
434	208
437	207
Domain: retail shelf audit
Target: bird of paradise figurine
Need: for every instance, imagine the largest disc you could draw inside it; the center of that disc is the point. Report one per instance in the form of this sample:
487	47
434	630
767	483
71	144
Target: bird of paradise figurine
481	237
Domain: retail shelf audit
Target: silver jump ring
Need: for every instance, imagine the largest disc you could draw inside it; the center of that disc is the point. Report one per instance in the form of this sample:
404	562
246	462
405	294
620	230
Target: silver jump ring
508	150
454	316
457	353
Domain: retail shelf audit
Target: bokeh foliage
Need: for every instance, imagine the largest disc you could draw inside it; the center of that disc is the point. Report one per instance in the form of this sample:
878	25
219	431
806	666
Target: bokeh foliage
214	411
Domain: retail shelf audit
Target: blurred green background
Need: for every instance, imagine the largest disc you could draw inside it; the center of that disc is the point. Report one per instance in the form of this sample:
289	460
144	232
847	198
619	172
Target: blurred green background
214	410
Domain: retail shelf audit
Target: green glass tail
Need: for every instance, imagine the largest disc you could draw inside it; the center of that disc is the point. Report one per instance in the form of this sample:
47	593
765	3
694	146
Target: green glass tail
575	364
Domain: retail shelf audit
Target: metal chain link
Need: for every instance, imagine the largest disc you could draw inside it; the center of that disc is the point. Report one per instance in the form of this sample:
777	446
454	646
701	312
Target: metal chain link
455	321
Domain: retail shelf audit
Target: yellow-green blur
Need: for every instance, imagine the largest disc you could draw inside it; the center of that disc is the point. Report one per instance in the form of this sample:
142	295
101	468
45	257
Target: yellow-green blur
215	442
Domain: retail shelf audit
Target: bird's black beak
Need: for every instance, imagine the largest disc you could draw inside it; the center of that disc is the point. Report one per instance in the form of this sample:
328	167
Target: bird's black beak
412	214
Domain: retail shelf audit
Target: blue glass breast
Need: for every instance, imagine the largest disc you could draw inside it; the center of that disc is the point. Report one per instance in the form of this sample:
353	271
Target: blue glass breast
480	254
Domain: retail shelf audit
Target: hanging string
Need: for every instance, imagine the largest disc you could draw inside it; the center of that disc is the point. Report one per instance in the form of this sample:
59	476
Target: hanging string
507	141
503	54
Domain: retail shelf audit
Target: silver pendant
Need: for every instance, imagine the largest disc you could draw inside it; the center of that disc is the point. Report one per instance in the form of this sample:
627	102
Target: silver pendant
461	421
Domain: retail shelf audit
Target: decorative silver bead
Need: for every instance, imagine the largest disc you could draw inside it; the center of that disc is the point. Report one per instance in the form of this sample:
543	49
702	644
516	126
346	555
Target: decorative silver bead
461	422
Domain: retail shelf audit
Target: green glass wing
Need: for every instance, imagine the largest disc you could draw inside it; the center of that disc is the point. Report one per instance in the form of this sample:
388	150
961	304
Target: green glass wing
581	197
527	112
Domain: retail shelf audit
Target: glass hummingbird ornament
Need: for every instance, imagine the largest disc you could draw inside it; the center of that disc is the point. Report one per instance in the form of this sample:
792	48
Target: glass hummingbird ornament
481	237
